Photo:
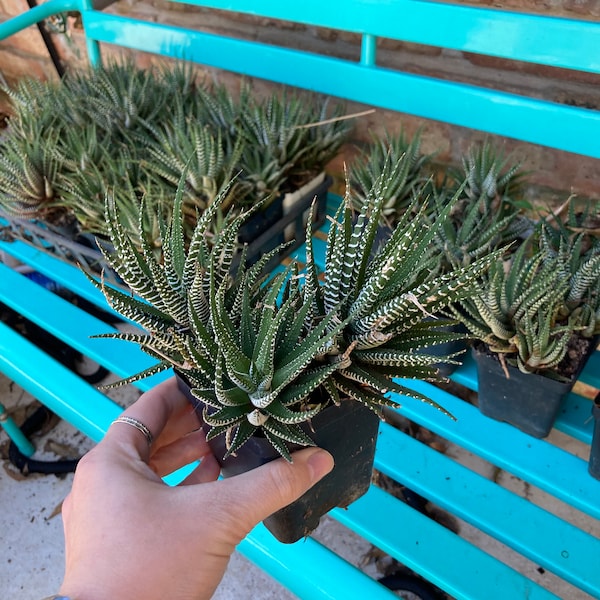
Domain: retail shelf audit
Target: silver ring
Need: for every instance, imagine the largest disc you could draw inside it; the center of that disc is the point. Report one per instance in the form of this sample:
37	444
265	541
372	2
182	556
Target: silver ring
138	425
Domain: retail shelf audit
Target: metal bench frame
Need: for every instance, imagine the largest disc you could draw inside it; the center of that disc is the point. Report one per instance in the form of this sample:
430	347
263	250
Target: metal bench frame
307	568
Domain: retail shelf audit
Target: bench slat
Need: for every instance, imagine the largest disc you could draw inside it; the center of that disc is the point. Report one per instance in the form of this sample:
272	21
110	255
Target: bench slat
73	326
553	41
63	392
58	270
442	557
532	531
309	569
540	463
554	125
575	418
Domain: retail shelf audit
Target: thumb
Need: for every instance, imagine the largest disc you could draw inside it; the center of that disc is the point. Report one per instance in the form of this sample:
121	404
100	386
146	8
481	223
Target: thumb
276	484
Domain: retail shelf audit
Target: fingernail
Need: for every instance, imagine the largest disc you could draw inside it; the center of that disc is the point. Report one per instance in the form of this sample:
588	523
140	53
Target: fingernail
320	463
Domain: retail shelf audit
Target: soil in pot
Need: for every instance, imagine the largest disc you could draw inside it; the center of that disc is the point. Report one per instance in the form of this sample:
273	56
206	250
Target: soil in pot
348	432
528	401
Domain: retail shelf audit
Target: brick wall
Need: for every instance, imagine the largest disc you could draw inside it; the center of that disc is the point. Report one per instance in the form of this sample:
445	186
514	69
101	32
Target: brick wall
25	52
555	174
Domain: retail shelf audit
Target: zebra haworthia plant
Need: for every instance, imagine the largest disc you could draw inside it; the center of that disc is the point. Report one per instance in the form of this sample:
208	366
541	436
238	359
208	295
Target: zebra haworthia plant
247	357
399	162
531	307
266	353
70	142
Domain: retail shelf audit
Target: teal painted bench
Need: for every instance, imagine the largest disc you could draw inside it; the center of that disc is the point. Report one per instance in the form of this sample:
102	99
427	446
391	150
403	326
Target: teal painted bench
451	562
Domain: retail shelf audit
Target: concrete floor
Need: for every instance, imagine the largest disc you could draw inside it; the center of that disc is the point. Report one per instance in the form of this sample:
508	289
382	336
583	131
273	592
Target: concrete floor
32	539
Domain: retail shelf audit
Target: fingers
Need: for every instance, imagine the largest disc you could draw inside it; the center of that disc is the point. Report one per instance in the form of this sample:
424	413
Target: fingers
177	454
164	410
180	424
208	470
279	482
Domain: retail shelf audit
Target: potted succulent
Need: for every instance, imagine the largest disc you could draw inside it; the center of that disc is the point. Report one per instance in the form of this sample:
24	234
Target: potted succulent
132	131
270	360
534	323
575	226
397	160
287	141
489	212
487	216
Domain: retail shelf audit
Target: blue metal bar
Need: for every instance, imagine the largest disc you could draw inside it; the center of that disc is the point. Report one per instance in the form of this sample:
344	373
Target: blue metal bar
14	433
568	128
66	394
309	569
93	48
575	418
553	41
73	326
56	269
542	464
35	15
368	52
447	560
548	541
48	9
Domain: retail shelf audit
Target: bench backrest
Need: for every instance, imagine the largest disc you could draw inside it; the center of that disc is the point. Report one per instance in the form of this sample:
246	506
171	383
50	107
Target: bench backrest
546	41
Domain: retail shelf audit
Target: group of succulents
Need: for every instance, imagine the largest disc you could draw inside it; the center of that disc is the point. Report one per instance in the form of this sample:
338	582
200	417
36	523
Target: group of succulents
131	132
154	158
544	288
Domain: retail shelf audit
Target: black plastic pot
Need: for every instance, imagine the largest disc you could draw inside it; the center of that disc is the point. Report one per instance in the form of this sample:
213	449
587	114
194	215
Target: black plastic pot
278	222
348	432
594	462
449	348
260	222
527	401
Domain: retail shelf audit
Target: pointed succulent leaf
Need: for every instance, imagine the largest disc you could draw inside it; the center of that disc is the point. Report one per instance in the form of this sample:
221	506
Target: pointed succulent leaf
243	432
149	372
291	417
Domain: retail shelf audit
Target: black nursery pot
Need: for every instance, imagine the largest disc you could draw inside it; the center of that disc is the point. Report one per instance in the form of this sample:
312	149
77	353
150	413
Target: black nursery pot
260	222
348	432
446	369
594	462
528	401
266	229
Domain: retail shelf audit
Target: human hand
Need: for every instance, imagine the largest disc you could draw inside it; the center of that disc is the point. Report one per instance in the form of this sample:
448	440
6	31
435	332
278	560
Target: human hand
128	535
